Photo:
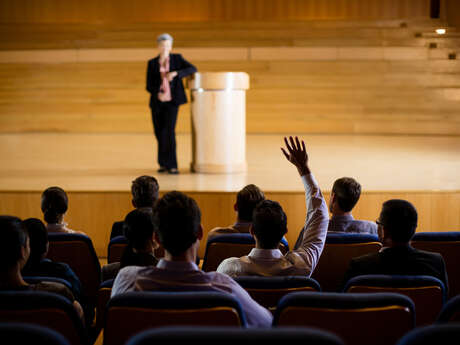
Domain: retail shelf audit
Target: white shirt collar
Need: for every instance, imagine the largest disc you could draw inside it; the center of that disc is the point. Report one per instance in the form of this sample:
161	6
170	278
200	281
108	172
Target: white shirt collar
265	253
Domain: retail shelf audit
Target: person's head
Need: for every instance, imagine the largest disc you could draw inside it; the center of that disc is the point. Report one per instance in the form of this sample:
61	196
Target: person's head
177	220
269	224
345	194
165	42
397	222
246	200
14	244
145	190
139	228
54	204
38	239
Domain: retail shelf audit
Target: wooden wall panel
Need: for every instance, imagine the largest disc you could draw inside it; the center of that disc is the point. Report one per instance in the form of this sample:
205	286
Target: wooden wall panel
94	212
144	11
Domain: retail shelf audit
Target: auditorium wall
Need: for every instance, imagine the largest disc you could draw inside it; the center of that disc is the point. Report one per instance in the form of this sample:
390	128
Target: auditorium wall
145	11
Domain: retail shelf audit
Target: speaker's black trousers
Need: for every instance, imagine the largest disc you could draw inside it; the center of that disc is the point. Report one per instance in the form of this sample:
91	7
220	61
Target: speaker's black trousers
164	117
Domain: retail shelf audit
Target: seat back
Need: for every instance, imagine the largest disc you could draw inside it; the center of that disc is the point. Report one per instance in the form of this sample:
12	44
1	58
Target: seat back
14	333
78	252
448	245
38	279
103	297
132	312
225	246
338	251
357	318
428	293
434	334
117	246
267	291
43	309
450	312
234	335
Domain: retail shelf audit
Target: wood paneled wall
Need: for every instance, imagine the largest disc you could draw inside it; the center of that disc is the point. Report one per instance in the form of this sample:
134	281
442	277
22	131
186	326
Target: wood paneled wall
141	11
94	212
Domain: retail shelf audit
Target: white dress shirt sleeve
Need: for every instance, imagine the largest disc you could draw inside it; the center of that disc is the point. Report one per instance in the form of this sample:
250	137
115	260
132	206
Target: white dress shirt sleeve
310	243
125	280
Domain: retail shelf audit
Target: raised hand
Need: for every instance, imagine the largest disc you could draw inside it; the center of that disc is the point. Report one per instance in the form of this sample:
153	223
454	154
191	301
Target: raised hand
297	154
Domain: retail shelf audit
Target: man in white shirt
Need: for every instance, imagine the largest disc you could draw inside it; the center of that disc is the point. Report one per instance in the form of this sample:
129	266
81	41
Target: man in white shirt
178	228
270	225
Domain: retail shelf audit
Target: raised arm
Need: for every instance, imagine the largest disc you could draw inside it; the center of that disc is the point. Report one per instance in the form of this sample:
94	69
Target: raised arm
310	243
186	68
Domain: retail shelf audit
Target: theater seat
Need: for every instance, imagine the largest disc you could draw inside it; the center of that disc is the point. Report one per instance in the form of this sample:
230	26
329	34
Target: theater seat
233	335
428	293
13	333
221	247
448	245
103	297
267	291
338	251
43	309
434	334
39	279
451	311
117	246
132	312
358	318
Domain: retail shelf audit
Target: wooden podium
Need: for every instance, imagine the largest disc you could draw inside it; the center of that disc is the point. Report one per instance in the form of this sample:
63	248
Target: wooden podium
218	121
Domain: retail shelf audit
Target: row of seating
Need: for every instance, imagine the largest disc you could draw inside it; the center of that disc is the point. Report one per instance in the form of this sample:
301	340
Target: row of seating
382	318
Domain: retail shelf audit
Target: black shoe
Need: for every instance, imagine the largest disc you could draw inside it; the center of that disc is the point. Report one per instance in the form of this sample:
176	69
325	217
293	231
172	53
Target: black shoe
173	171
162	170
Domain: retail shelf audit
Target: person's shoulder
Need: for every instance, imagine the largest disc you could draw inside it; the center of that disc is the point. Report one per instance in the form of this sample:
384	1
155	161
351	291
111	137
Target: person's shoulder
54	287
366	259
363	226
428	255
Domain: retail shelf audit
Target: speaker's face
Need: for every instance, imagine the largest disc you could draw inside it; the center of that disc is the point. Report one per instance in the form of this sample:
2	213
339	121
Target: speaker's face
165	47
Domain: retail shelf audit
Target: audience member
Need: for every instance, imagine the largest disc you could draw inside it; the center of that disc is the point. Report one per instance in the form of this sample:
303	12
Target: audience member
54	205
139	230
396	226
270	225
14	253
39	265
246	201
145	192
179	230
344	196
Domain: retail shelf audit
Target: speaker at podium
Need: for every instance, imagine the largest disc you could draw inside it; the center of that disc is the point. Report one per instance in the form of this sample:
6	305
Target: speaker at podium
218	122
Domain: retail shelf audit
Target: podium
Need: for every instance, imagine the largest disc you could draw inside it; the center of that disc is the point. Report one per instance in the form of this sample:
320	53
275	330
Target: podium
218	121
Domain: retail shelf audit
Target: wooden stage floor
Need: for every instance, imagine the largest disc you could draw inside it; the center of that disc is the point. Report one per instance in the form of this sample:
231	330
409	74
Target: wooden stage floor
97	169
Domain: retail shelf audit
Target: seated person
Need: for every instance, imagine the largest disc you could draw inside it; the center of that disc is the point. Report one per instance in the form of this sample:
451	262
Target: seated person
145	192
14	253
177	218
54	205
139	229
396	226
246	201
270	225
39	265
344	196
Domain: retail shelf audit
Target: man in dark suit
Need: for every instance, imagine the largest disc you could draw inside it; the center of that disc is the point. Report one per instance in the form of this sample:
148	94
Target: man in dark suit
396	226
164	83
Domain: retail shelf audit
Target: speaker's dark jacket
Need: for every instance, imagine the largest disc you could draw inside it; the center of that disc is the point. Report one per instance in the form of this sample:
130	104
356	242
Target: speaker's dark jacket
176	63
404	260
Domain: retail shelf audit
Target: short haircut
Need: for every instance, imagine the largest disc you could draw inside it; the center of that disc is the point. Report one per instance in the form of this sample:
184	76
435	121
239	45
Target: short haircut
145	190
54	204
269	224
38	239
347	191
246	201
399	218
177	219
13	239
139	227
165	37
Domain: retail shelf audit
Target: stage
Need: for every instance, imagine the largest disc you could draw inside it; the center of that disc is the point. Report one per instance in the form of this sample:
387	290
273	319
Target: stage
97	169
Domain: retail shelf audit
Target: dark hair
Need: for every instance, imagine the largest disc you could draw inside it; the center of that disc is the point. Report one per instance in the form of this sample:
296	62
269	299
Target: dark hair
139	227
13	239
399	218
54	204
269	224
145	191
347	191
246	200
177	218
38	239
